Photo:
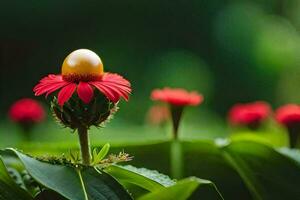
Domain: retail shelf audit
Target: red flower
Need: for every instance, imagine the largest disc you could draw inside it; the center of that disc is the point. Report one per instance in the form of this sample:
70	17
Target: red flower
177	97
26	111
288	115
249	114
82	71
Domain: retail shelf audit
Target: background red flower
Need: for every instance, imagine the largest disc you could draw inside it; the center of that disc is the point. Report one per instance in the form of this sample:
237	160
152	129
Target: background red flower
27	111
249	113
177	96
288	115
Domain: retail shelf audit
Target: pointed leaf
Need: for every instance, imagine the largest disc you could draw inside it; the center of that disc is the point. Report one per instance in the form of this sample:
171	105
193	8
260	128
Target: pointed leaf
189	188
103	152
148	179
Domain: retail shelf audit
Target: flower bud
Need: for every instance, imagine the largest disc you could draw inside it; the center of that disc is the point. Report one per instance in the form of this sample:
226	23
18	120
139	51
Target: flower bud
75	113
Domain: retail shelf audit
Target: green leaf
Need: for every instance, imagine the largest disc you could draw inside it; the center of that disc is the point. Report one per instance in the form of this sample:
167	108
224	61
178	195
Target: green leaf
9	190
267	173
97	157
189	188
205	159
292	153
148	179
103	152
84	183
274	138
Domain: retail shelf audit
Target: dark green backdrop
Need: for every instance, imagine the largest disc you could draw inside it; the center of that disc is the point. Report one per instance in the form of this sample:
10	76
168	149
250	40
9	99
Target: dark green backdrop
229	50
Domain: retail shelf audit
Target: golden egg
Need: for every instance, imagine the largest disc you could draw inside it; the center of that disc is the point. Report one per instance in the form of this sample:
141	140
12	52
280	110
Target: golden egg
82	62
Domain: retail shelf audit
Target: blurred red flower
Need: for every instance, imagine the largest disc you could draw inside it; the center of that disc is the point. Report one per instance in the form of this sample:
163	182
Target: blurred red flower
288	115
26	111
177	97
249	114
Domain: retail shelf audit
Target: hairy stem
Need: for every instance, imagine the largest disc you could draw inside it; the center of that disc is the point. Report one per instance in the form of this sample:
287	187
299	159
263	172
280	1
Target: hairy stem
84	145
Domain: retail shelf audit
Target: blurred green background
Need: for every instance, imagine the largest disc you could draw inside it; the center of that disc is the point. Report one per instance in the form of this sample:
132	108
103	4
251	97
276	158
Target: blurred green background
231	51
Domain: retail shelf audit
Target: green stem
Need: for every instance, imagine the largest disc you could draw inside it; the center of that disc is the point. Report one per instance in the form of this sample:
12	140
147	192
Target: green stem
84	145
26	130
176	147
293	135
176	159
176	112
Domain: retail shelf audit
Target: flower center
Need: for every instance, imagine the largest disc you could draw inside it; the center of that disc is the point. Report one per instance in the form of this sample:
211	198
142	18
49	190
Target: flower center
82	65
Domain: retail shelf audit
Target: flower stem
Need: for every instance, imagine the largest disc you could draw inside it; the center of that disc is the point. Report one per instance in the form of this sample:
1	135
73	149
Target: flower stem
176	159
176	112
84	145
26	130
293	135
176	146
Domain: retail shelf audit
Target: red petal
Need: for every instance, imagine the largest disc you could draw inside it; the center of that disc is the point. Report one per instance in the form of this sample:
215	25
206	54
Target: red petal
177	96
66	93
49	84
113	86
118	89
115	78
122	90
85	92
110	94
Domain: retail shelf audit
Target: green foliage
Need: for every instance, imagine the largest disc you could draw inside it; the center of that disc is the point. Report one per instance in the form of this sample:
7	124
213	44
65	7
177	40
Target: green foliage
58	178
148	179
271	134
209	160
238	166
253	170
182	190
267	173
98	156
151	174
205	159
73	183
9	190
161	186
